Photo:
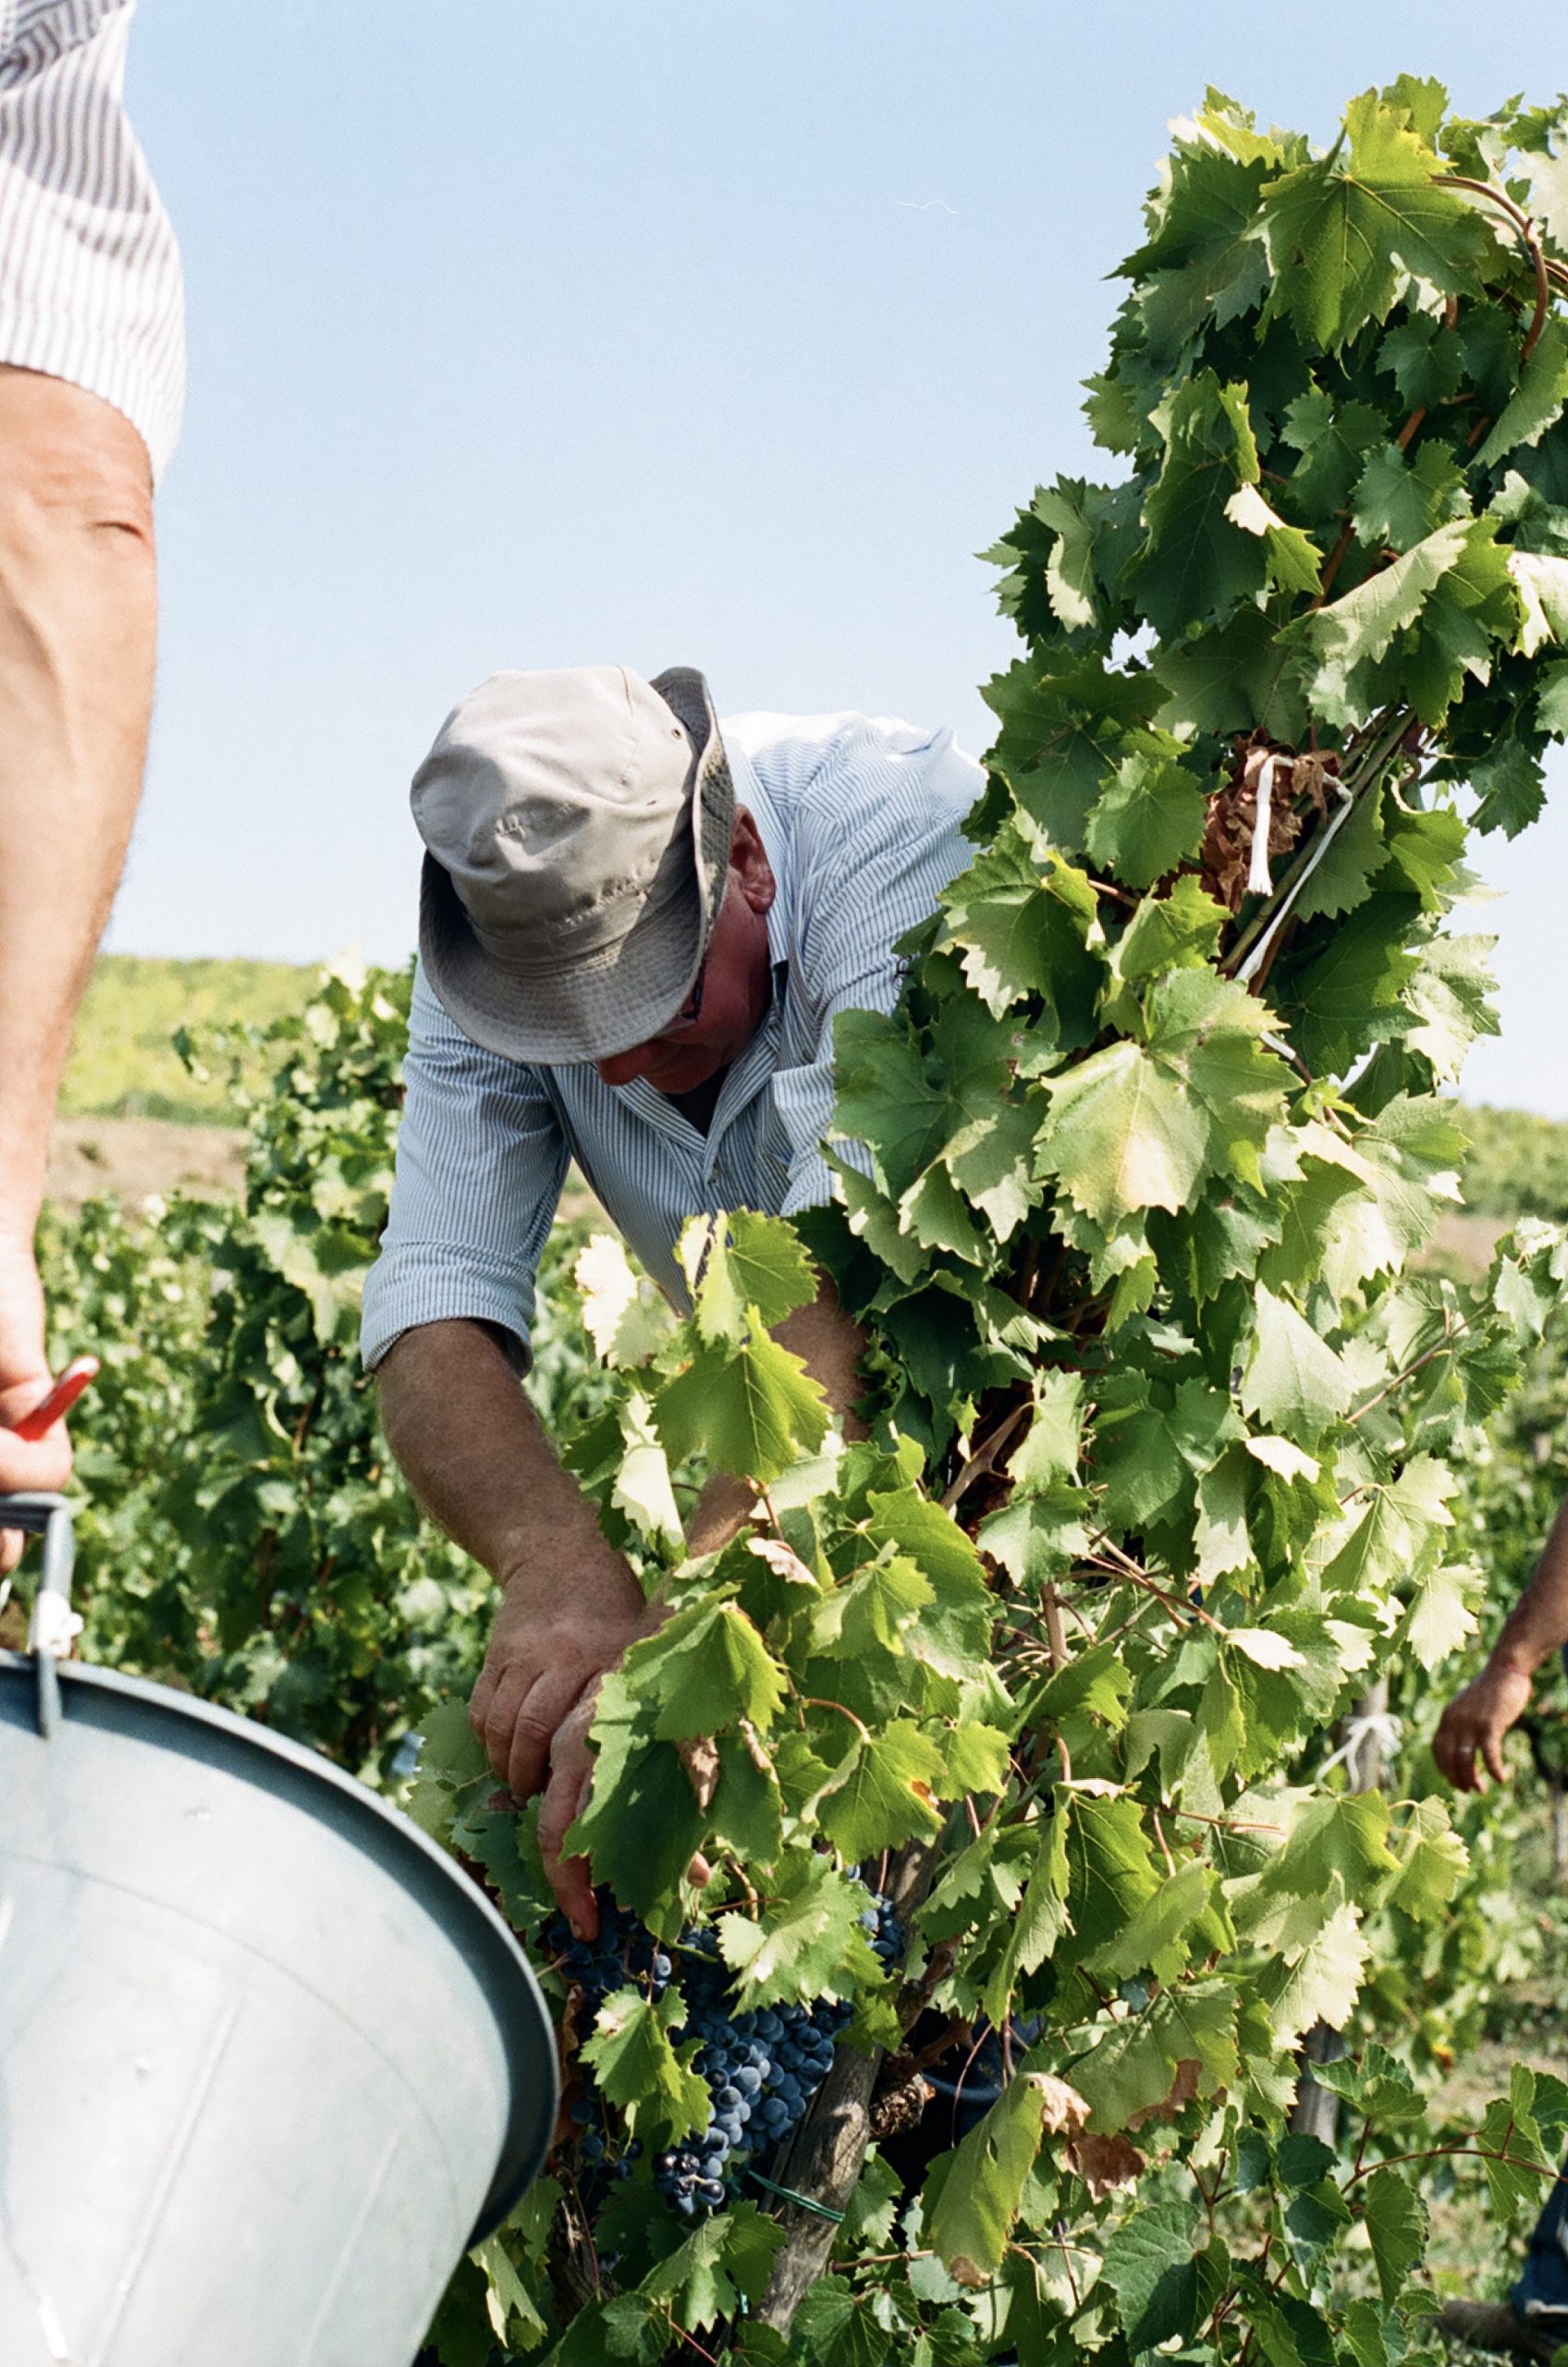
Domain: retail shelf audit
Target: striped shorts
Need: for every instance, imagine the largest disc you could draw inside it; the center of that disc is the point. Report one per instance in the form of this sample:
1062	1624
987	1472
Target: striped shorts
90	276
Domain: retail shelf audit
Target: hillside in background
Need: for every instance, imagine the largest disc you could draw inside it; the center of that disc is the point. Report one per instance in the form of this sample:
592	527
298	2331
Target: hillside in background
1518	1164
124	1065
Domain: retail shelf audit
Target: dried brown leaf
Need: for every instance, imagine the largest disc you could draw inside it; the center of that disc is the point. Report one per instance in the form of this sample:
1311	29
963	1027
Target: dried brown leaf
700	1759
1102	2162
1183	2087
782	1560
1061	2107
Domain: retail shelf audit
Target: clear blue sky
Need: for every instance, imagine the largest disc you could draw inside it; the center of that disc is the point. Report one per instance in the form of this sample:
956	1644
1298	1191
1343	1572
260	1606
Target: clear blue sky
713	332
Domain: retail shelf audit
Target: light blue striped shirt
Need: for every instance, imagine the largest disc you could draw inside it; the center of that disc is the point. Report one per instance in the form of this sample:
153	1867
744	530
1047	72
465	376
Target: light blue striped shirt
860	819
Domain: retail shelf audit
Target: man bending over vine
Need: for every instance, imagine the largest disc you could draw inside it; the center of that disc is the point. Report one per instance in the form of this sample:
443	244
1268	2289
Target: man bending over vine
636	929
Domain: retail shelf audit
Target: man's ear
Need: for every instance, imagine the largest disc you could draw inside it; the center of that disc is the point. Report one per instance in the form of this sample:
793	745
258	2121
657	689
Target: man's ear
749	863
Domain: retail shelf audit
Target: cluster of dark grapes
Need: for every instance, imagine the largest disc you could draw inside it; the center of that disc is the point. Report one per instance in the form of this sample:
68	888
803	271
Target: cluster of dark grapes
624	1952
762	2067
883	1931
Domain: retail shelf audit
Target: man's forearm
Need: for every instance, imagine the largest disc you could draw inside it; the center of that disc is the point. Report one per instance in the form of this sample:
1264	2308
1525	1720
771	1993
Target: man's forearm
77	629
1537	1624
476	1455
830	1344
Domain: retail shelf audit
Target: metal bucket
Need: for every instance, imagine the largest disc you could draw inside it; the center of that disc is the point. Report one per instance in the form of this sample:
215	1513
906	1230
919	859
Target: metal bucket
268	2061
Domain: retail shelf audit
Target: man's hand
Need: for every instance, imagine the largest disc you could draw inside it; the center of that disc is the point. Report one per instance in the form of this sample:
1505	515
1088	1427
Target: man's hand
534	1705
1477	1719
25	1380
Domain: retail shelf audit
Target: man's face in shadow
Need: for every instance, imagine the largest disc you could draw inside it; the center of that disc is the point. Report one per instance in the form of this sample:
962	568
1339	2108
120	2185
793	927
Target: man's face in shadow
733	987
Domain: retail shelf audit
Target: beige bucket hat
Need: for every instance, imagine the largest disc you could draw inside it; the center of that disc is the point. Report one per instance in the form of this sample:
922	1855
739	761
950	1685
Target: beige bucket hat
577	826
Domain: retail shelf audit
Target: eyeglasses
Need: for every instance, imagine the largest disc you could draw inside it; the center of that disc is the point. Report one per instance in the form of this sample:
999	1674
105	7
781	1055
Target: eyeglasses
691	1010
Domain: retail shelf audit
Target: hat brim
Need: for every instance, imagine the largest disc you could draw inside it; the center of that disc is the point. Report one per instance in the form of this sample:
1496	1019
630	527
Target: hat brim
605	1002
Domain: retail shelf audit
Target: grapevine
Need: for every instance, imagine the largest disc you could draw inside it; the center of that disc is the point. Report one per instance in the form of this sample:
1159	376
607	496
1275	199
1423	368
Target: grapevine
760	2069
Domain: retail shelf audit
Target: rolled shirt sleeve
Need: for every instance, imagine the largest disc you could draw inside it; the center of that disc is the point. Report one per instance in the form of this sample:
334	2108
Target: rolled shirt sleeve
481	1162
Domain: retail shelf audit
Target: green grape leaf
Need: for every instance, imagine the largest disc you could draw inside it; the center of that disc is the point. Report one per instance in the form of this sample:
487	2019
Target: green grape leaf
722	2263
642	1822
882	1795
1198	563
1340	641
1348	234
1020	923
838	2326
1294	560
872	1611
752	1409
1149	2267
1423	359
747	1810
1396	2225
637	2067
1401	1524
1150	819
1539	401
1053	1444
1177	931
1070	571
805	1941
513	2314
705	1669
1041	1916
625	1317
1155	1936
742	1269
977	1761
1399	501
1065	723
1540	580
1291	1379
1121	1135
1331	441
1110	1870
1322	1982
970	2214
1207	1032
1235	676
1134	2067
1510	786
1440	1615
1433	1862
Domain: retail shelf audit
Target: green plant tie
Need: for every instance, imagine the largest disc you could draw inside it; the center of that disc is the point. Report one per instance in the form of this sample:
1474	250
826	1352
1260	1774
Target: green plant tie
802	2201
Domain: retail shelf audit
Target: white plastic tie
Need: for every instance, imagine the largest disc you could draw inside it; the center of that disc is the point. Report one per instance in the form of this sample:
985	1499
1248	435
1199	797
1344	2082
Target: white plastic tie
1259	882
1378	1726
56	1626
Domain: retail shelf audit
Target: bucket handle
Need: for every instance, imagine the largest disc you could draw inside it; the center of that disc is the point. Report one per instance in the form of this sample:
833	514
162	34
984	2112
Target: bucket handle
55	1623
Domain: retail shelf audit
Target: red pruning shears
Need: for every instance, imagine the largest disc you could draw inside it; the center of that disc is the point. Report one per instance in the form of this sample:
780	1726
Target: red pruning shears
61	1398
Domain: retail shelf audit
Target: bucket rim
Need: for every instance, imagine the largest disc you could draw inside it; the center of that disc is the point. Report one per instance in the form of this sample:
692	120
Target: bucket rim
529	2130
